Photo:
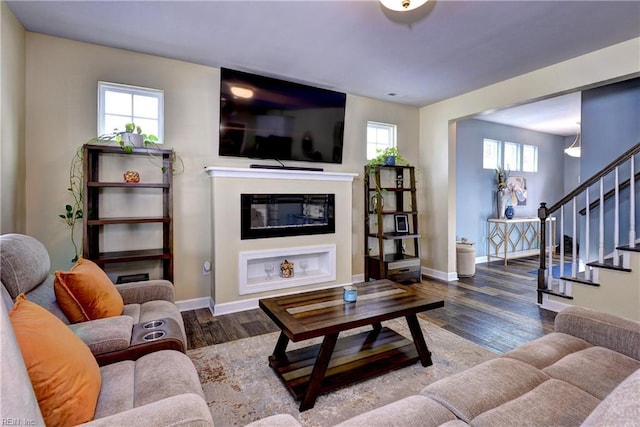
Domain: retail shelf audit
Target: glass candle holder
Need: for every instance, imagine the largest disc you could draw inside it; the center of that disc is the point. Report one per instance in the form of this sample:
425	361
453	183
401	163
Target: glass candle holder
350	293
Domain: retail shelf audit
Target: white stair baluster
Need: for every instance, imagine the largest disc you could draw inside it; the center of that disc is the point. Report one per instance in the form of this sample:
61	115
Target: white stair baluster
632	204
587	233
616	221
601	224
574	251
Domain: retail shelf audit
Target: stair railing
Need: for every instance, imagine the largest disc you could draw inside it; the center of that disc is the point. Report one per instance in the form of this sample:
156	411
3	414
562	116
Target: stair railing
581	195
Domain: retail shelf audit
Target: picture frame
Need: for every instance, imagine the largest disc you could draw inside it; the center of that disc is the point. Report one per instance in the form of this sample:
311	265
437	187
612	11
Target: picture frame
402	223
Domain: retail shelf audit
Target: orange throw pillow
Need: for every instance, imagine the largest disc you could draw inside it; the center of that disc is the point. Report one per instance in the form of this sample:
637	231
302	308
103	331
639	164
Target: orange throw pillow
64	374
87	293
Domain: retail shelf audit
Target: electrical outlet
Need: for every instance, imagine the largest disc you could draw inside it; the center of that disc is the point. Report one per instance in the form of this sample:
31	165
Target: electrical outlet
206	268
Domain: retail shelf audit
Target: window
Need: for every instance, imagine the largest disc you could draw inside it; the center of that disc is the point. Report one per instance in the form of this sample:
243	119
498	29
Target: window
379	137
490	154
529	158
511	156
121	104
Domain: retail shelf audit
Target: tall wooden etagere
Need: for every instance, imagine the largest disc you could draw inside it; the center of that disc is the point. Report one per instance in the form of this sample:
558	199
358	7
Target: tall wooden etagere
391	239
94	224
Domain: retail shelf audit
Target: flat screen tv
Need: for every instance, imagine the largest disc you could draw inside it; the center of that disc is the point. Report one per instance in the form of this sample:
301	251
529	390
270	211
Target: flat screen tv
266	118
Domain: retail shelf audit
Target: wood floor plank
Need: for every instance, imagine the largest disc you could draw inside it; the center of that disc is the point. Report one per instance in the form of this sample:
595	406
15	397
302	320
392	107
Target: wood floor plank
496	308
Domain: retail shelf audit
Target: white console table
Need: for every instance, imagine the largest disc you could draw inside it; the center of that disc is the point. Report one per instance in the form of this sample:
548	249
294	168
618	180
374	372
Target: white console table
516	237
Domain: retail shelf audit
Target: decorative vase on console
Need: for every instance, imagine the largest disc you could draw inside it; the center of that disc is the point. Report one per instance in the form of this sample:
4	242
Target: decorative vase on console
501	203
509	212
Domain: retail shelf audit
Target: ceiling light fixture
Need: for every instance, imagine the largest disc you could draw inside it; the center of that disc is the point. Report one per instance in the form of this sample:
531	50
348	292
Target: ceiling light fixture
575	149
402	5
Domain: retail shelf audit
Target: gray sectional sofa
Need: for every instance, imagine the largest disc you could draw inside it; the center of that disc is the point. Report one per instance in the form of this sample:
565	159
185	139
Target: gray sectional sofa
587	372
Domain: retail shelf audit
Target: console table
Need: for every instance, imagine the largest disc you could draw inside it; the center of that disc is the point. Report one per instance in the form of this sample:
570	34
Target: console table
516	237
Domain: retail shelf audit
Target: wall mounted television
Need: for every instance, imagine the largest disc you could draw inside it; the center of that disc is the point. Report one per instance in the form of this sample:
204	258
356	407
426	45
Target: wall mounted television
267	118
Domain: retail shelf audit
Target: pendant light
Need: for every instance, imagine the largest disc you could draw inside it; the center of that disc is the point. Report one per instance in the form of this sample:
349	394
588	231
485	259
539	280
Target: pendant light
575	149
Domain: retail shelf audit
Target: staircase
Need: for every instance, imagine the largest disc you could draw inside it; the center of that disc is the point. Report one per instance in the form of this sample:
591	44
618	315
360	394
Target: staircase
604	258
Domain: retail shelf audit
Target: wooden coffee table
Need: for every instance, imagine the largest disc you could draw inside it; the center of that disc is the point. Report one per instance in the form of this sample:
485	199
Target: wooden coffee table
319	368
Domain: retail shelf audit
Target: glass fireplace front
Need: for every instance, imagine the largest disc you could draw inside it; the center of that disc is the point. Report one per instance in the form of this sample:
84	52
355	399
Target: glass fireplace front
281	215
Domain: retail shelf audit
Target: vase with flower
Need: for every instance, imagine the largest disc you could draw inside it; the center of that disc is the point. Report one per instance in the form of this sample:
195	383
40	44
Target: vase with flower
501	193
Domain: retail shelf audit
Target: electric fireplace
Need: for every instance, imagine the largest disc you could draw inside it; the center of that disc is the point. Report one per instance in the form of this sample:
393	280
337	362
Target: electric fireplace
283	215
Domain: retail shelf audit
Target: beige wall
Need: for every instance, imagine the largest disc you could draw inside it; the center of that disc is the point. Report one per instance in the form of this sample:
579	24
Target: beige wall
12	122
437	134
61	101
62	78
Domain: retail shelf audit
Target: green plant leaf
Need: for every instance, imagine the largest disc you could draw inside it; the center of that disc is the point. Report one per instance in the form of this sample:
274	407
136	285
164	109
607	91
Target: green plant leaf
68	208
62	216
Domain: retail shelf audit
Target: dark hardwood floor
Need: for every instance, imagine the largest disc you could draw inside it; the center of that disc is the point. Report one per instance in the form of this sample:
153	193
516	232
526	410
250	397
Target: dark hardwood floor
495	309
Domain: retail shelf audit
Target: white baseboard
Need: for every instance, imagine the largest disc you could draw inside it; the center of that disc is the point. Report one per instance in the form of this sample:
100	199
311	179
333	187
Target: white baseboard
482	259
251	303
195	303
552	305
235	306
357	278
440	275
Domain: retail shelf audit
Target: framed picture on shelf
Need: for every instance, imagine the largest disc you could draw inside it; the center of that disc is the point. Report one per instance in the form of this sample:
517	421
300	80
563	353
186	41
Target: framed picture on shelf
402	223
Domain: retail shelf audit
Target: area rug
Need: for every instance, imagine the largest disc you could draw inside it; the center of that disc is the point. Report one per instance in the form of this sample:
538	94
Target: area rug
240	387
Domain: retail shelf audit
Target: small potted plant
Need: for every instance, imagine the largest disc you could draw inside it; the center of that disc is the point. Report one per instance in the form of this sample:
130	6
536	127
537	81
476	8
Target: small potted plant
133	137
388	157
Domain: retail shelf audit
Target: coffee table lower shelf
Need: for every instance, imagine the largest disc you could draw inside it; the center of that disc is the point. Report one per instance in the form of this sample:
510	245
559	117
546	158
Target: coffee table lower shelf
355	358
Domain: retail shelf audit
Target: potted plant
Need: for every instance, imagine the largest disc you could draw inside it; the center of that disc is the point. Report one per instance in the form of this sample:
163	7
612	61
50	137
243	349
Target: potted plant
388	157
133	137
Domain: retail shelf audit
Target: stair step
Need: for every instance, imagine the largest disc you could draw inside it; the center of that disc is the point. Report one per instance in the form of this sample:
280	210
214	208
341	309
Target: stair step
556	293
608	265
580	280
628	248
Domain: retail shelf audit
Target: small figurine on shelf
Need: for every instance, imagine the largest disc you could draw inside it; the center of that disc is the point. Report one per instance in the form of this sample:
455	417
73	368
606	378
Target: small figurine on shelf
286	269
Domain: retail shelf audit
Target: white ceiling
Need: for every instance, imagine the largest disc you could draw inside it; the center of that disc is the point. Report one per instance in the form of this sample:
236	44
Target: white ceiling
558	116
440	50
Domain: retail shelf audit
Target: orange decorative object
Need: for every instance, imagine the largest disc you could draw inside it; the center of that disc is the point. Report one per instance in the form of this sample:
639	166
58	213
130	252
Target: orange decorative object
131	176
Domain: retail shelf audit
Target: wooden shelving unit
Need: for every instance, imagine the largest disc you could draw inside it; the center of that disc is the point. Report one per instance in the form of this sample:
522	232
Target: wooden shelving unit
93	224
395	186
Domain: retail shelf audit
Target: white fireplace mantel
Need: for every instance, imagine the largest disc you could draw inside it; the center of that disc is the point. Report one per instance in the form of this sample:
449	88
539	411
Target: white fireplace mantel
227	172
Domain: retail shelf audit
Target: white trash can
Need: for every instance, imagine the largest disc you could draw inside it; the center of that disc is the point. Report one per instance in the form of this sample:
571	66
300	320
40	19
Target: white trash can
465	259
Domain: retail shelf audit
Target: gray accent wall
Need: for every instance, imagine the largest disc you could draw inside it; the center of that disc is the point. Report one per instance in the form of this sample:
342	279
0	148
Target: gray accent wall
610	126
476	187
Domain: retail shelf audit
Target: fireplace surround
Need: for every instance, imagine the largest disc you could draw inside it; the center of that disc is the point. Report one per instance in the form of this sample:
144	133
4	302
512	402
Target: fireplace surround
238	262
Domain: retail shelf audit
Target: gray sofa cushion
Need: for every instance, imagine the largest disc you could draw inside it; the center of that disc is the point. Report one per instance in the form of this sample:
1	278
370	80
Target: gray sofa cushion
131	384
412	411
596	370
188	410
547	350
601	329
552	403
485	386
621	408
24	263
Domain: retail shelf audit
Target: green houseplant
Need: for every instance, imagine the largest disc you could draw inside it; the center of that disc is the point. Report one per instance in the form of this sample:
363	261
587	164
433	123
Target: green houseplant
388	157
385	157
